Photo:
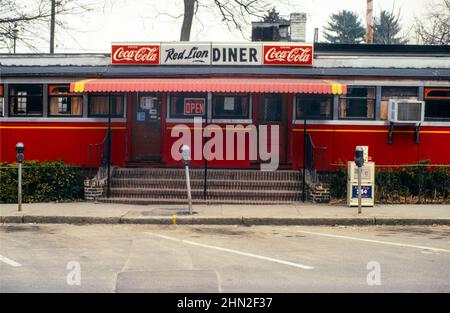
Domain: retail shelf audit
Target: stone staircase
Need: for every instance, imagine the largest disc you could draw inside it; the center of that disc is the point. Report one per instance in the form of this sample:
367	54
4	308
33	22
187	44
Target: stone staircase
168	185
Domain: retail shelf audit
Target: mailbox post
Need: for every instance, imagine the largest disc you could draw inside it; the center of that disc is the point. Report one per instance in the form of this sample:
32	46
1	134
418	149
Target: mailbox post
186	156
359	160
20	148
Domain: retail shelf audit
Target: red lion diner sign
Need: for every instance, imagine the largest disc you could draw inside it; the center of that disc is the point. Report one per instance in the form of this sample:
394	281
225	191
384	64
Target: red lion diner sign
218	54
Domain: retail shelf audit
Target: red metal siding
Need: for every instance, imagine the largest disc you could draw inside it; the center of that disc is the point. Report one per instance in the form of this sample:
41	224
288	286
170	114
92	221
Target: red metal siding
68	141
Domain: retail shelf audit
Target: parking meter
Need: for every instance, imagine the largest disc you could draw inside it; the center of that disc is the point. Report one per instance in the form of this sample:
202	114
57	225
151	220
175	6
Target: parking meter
186	157
359	157
20	148
186	154
359	160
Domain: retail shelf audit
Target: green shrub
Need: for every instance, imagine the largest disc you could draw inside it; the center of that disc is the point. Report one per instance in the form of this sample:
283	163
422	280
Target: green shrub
339	183
41	182
410	184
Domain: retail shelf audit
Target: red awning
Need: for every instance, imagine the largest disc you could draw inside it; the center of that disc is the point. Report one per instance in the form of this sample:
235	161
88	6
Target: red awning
234	85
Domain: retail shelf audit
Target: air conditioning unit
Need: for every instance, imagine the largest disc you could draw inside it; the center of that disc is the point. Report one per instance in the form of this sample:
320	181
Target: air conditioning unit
406	111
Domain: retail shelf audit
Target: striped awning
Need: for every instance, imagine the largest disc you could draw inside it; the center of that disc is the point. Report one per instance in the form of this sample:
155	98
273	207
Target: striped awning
226	85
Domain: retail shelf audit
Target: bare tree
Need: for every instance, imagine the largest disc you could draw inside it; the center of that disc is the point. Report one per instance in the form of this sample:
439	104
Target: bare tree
433	28
30	22
234	13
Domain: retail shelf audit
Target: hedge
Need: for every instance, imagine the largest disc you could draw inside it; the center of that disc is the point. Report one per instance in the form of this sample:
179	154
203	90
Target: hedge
41	182
417	183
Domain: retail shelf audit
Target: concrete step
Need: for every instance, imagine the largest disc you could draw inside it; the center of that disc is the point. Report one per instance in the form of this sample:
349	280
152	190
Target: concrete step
180	183
226	174
147	201
219	194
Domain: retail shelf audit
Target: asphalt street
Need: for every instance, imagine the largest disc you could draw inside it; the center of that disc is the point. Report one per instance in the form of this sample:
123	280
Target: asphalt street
151	258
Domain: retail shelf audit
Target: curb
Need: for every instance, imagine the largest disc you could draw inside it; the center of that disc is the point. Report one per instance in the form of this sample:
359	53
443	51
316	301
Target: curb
247	221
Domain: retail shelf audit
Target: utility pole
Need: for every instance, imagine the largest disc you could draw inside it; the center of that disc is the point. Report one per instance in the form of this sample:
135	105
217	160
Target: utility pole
15	33
52	27
370	22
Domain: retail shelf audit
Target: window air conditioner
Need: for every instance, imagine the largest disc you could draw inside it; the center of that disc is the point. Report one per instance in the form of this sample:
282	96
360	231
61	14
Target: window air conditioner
405	111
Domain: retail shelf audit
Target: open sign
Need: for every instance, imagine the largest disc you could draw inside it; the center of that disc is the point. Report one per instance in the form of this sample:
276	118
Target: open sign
194	106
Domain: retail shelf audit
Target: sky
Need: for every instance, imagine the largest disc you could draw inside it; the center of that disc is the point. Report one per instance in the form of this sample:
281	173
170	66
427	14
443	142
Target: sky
154	20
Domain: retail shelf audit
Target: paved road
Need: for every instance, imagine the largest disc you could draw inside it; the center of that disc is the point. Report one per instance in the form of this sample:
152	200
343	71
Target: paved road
134	258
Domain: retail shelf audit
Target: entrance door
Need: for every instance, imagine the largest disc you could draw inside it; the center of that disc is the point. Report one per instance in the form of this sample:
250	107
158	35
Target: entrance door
146	127
273	111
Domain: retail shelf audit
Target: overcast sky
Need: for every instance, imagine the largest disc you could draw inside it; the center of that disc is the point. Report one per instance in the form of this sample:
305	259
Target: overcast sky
146	20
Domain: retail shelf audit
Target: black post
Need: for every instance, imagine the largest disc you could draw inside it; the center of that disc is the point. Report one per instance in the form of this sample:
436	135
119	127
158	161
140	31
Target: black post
108	190
304	161
52	26
205	178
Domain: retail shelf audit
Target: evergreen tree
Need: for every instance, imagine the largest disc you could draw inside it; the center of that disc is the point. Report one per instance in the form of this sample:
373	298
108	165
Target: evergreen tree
387	28
344	27
273	16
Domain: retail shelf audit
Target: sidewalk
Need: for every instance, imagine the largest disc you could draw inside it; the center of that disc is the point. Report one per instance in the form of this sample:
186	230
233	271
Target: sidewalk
298	214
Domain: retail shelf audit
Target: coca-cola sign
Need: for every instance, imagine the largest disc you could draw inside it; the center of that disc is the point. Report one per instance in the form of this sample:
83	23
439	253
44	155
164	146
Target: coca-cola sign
298	55
142	54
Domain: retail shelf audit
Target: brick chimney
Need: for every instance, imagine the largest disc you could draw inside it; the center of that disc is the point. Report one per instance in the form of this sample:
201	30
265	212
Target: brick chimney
298	27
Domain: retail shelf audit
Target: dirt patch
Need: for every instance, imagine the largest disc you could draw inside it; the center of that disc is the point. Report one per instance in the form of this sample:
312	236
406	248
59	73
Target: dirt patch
414	231
221	231
167	212
19	228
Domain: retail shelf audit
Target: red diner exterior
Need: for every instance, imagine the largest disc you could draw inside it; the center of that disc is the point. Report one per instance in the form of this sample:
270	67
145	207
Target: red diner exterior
60	105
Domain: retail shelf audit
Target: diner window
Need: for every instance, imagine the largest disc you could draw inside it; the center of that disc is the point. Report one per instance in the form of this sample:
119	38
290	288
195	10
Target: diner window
437	104
99	105
314	107
64	103
187	105
1	101
271	108
231	106
387	93
358	103
25	100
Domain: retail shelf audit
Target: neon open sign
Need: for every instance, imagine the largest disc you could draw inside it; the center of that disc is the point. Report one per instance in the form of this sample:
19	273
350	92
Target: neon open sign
194	106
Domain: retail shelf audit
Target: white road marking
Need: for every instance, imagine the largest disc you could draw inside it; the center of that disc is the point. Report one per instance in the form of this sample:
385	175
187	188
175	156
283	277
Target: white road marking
9	261
376	241
251	255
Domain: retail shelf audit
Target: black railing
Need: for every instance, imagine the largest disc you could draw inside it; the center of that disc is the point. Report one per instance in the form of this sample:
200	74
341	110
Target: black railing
99	156
316	167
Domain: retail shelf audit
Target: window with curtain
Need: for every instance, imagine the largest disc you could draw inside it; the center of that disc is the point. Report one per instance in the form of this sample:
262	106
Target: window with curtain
25	100
314	107
231	106
64	103
99	105
358	103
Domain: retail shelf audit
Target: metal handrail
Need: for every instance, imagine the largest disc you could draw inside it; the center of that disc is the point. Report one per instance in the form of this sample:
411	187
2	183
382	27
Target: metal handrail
316	160
103	157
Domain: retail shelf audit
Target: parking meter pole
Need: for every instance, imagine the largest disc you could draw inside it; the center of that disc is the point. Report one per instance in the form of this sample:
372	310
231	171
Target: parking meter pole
186	157
19	193
20	148
359	190
359	160
188	183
